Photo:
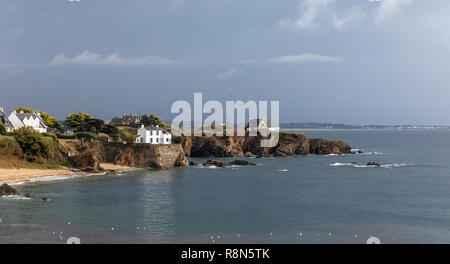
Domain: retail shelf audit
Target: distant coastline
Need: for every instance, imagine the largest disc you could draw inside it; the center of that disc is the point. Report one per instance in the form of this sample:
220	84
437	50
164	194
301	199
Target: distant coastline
359	129
292	126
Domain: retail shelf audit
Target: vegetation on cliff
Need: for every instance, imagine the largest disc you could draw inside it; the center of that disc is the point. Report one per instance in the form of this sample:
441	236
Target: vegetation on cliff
289	144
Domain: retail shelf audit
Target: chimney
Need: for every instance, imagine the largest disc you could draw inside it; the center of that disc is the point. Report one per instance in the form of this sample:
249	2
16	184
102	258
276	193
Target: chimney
2	109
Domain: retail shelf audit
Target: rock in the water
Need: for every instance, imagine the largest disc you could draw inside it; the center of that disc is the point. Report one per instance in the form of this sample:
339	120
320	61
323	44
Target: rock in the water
217	163
374	164
5	189
241	163
44	199
27	195
322	146
111	172
192	163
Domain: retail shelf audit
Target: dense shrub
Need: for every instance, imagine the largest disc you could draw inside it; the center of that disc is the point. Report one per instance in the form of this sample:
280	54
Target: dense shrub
53	136
2	129
85	136
176	140
32	143
130	139
64	136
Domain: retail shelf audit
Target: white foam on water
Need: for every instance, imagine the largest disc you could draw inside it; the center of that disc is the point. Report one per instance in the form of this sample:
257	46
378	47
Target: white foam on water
283	170
55	178
15	197
356	165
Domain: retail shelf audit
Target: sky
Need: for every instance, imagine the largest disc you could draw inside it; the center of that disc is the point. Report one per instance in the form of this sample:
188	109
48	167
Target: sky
341	61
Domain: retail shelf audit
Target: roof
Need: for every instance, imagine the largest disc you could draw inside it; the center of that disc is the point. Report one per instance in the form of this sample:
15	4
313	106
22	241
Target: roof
155	128
4	119
23	116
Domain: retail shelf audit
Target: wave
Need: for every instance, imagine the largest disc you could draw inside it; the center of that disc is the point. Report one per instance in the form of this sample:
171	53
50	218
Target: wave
55	178
361	152
15	197
282	170
357	165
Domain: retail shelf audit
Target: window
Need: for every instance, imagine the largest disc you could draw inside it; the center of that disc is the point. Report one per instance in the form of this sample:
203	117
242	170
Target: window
151	140
167	139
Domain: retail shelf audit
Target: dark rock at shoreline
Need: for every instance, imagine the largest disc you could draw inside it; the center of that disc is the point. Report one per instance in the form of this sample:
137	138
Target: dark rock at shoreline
27	195
192	163
88	161
242	163
153	165
374	164
5	189
112	172
217	163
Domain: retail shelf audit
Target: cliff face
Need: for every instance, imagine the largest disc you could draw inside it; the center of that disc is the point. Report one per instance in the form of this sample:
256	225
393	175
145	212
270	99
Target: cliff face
289	144
151	156
91	154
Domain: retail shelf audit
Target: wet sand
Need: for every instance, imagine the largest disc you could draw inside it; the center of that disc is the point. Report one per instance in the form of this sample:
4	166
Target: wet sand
14	175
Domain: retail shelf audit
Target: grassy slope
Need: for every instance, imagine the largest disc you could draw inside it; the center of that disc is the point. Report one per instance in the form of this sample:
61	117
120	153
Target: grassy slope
9	156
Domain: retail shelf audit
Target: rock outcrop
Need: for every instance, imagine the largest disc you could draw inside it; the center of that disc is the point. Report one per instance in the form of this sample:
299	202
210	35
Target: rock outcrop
217	163
289	144
88	161
242	163
5	189
322	146
151	156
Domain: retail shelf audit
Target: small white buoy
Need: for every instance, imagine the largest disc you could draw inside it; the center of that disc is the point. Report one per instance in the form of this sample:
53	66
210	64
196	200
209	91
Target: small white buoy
300	234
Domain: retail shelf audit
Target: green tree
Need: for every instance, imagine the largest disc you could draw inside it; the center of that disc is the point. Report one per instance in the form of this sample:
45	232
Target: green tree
25	110
32	143
78	121
130	139
94	125
153	120
111	130
2	129
82	122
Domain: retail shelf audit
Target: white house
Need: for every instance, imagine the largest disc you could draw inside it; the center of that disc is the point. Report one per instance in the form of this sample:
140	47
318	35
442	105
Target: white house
153	135
5	121
263	124
33	120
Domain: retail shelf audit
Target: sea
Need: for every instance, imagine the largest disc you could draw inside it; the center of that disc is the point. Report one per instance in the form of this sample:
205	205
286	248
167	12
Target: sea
334	199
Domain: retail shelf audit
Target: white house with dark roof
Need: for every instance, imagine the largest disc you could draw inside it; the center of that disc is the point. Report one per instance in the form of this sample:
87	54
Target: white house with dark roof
153	135
5	121
262	124
33	120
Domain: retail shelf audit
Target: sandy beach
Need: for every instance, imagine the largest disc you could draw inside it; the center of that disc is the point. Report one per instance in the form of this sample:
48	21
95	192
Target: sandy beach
14	175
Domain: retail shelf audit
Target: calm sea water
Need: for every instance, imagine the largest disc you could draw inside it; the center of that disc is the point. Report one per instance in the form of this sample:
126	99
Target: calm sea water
313	199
